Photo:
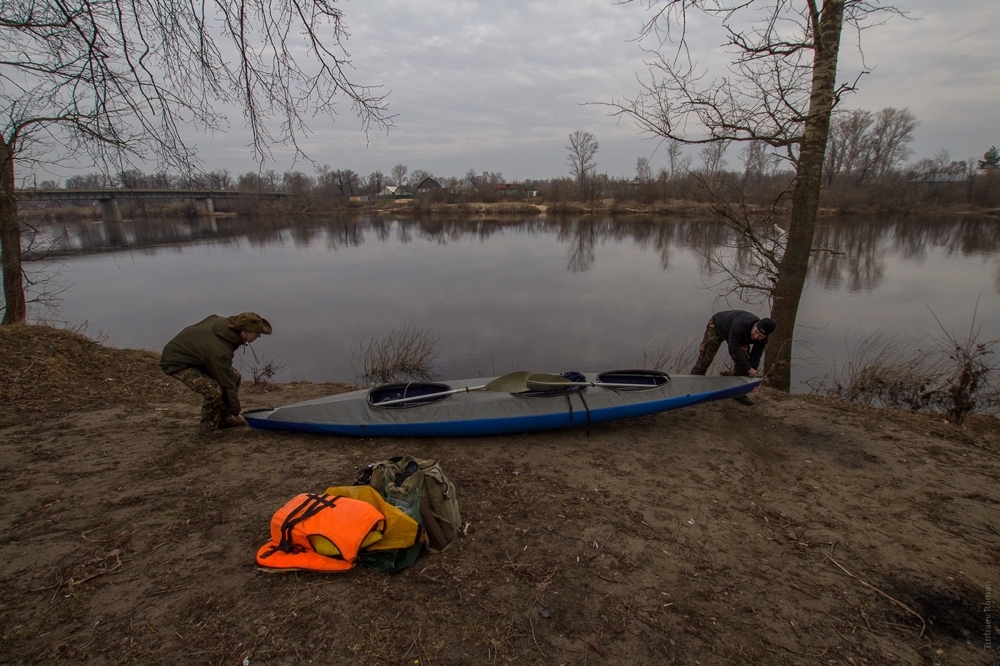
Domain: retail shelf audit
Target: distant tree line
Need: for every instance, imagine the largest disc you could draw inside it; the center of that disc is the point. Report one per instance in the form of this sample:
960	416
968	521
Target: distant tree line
865	167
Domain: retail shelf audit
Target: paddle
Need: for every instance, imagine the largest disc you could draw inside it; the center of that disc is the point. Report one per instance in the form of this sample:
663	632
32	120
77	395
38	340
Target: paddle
512	383
542	382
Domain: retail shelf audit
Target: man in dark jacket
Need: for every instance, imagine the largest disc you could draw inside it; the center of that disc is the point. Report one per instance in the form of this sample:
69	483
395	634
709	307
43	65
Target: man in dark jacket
201	356
746	335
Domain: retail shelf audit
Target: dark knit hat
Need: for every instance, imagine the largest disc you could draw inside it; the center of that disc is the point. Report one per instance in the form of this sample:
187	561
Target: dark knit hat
250	322
766	326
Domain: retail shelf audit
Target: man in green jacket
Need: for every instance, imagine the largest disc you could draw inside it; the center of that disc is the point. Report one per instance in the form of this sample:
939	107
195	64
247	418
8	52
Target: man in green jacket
201	356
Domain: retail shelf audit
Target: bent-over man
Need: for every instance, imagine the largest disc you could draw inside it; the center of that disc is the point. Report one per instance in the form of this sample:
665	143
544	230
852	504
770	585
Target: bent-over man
201	356
746	336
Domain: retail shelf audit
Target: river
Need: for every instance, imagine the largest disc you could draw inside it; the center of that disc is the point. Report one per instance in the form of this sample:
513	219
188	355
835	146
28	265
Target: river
547	295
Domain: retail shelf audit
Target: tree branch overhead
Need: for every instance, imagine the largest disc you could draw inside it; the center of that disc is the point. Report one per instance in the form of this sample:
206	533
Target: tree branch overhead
120	82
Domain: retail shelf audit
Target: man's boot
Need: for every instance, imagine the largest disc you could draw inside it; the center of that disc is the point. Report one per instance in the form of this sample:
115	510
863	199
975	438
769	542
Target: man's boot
210	431
231	422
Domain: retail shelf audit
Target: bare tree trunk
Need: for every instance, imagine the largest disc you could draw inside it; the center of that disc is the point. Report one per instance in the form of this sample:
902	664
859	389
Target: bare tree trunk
10	241
805	197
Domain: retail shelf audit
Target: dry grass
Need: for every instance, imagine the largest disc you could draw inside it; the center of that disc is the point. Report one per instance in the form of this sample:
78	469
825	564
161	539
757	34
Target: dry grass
423	207
679	358
52	370
265	371
670	357
886	371
405	353
947	374
971	368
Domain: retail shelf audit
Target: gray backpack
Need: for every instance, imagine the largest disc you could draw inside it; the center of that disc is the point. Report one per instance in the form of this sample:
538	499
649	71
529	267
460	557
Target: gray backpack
420	482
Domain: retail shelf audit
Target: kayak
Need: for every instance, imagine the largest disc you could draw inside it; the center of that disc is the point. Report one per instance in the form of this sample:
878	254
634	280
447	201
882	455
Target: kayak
519	402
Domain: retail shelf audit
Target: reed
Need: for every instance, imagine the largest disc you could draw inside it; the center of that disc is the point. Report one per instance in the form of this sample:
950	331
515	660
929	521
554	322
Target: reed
970	367
264	372
888	371
948	374
670	357
405	353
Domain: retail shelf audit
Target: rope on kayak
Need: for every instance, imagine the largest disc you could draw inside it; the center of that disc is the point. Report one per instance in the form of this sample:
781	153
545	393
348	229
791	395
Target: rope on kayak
586	407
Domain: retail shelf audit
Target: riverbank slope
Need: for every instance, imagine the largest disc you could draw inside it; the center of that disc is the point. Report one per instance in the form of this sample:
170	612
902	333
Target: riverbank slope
799	530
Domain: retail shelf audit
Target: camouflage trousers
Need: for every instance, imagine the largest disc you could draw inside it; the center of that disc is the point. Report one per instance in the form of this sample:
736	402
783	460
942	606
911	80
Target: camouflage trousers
214	407
709	347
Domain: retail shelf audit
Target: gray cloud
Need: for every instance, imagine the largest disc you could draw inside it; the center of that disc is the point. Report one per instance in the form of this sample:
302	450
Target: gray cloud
499	86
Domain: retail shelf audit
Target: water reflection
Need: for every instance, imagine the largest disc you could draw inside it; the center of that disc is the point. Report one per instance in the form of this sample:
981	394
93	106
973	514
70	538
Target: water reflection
851	251
857	246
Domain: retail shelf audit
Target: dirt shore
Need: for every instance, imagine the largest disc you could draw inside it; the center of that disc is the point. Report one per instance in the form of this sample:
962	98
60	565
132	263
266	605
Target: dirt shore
801	530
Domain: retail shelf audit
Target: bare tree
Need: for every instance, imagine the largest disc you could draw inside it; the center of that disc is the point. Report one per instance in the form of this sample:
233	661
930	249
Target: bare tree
220	179
675	156
991	159
91	180
118	82
582	149
374	183
887	146
848	145
780	89
643	173
758	161
866	147
713	158
348	182
418	176
399	174
298	184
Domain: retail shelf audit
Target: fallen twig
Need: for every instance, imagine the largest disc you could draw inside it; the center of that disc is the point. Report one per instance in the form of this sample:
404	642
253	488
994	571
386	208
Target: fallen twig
427	660
600	576
74	583
167	590
407	653
923	625
531	624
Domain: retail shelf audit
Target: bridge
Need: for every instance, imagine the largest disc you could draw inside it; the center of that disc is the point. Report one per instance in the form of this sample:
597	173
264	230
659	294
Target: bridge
108	198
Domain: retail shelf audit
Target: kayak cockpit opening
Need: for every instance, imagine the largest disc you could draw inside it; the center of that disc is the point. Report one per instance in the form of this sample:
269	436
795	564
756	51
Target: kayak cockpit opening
633	380
411	394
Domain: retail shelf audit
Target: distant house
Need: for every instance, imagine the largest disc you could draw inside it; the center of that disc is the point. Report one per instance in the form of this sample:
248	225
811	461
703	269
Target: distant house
508	189
428	185
394	192
513	189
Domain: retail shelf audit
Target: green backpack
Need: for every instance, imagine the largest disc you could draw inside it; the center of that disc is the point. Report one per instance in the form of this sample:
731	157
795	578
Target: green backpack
423	486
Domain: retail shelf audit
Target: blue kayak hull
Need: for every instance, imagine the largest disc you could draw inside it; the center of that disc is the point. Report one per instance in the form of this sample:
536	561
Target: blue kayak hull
597	405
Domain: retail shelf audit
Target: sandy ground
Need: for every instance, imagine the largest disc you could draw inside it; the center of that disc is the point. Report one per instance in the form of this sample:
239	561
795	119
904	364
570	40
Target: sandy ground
801	530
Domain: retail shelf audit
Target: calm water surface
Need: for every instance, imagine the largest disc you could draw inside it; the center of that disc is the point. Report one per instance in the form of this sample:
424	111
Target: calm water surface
537	294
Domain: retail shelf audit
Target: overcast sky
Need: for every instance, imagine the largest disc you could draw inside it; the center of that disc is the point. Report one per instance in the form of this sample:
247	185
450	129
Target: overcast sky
498	86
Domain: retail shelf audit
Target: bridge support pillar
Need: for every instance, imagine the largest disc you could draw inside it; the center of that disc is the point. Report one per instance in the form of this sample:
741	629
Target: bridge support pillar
109	208
206	207
207	224
116	232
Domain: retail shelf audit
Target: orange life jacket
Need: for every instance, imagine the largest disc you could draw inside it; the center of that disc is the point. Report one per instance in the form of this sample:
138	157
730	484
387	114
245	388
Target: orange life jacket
321	533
